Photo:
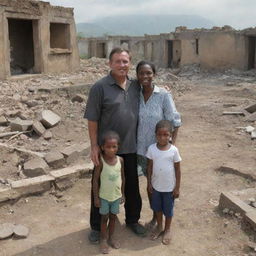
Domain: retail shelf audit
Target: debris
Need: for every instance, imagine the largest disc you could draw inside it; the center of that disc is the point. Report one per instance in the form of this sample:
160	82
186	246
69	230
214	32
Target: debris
227	105
20	125
38	128
20	231
6	230
7	134
253	135
47	135
49	118
3	121
55	159
235	113
78	98
225	211
35	167
251	108
249	129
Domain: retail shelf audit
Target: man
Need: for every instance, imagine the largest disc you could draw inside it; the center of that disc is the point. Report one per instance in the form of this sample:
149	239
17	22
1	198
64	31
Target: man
113	104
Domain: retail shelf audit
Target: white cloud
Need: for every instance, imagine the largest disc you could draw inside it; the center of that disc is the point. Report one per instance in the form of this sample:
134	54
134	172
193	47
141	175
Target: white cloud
237	13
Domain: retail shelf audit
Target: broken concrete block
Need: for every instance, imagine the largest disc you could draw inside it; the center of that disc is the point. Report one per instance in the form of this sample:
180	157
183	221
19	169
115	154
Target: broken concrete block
49	118
32	185
55	159
236	113
3	121
47	135
6	230
66	177
249	129
20	231
20	125
251	108
253	135
78	98
71	153
38	128
35	167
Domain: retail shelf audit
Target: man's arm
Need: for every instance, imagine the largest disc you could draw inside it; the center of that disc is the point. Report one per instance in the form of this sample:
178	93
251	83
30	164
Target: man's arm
95	184
93	134
176	191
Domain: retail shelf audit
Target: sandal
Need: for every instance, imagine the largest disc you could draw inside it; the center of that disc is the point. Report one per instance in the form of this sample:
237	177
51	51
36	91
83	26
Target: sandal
155	234
114	243
104	246
166	238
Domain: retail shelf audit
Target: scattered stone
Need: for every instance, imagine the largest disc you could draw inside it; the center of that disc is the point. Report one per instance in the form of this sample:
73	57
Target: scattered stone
12	113
3	121
225	211
35	167
252	117
20	125
226	224
31	103
55	159
251	108
20	231
253	204
49	118
38	128
47	135
252	200
78	98
230	84
253	135
6	230
249	128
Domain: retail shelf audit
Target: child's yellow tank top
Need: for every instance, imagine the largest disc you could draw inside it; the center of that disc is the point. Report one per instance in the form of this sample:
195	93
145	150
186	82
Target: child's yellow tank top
110	181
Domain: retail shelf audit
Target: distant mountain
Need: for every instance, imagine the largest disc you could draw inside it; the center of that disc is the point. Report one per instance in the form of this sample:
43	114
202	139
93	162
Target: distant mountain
138	25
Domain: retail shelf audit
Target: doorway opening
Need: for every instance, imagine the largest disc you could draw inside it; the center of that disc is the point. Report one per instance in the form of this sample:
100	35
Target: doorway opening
251	52
21	37
173	53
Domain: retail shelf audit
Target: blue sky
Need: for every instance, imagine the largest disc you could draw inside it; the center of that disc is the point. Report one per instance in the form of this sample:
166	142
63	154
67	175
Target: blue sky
236	13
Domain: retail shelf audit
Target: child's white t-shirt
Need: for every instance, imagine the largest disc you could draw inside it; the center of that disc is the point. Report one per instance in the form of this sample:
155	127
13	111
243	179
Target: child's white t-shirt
163	174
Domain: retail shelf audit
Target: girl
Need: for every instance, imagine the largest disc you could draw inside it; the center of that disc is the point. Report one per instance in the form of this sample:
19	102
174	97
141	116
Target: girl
108	189
163	178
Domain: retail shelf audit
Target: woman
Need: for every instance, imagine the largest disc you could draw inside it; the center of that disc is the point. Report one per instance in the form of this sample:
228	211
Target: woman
155	104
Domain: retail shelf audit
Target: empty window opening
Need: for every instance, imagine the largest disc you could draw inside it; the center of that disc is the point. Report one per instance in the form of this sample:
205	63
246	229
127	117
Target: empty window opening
21	46
59	35
251	52
197	46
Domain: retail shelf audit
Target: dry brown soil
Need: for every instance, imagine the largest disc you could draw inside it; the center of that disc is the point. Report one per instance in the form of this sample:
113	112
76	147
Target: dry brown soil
207	140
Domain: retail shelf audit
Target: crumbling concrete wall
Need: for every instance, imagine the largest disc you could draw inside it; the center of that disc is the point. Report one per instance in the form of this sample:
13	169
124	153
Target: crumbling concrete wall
36	48
223	50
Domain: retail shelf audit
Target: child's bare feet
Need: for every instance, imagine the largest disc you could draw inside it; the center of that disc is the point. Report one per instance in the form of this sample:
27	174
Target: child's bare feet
166	237
114	243
151	224
104	246
156	233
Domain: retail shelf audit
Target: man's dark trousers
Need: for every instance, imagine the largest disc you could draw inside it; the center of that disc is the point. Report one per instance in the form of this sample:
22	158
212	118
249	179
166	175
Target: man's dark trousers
133	202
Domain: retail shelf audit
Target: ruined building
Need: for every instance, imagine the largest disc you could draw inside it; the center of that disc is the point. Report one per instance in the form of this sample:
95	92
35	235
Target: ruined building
215	49
36	38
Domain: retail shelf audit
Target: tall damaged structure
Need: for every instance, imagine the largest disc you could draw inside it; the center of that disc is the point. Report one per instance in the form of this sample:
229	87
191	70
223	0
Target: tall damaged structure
36	38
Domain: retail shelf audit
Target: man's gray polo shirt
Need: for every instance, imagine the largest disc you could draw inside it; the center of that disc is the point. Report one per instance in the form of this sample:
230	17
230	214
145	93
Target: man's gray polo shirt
115	109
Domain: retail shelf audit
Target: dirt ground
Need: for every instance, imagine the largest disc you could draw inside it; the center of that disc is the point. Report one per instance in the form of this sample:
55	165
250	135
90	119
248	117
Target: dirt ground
207	140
